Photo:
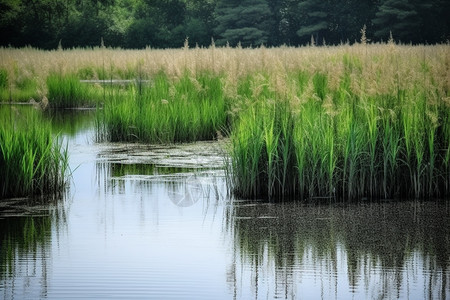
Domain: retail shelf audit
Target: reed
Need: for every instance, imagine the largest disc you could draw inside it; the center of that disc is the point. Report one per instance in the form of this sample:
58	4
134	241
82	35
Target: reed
33	161
3	79
361	121
187	109
66	91
4	84
338	144
21	89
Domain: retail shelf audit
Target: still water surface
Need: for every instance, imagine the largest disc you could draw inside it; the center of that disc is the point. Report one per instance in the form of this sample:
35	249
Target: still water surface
156	222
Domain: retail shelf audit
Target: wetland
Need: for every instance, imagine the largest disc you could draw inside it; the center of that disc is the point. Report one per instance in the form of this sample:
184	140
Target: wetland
156	221
225	173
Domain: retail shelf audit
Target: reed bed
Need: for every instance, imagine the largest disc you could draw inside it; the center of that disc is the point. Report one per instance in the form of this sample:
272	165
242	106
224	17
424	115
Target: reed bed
66	91
326	137
32	160
167	111
360	121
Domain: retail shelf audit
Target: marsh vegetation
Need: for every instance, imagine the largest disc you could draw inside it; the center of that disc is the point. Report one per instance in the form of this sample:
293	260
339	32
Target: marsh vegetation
33	160
349	122
132	205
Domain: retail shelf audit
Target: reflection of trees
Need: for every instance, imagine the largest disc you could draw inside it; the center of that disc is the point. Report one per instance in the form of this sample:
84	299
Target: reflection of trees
71	122
381	247
24	249
27	227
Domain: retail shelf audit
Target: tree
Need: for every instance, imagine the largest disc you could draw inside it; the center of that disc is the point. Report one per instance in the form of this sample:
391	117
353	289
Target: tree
158	23
166	23
39	22
434	21
199	21
347	18
315	20
10	23
248	22
398	17
276	34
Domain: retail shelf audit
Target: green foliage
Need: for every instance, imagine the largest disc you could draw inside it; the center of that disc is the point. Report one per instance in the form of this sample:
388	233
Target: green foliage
86	73
247	22
398	17
67	91
32	160
166	24
3	79
339	145
315	19
190	109
18	87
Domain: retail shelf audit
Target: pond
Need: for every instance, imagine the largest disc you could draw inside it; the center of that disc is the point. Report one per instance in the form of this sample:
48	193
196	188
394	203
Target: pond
156	222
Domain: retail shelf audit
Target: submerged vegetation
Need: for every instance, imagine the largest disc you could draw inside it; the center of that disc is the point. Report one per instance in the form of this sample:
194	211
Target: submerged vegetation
32	160
350	122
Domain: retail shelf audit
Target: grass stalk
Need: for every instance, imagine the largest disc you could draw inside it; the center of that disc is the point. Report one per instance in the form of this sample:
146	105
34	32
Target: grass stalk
33	161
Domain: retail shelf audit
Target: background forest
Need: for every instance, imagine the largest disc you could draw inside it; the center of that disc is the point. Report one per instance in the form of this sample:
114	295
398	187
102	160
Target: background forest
166	23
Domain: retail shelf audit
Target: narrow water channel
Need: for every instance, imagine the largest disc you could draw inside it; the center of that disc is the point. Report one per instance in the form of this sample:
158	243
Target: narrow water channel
156	222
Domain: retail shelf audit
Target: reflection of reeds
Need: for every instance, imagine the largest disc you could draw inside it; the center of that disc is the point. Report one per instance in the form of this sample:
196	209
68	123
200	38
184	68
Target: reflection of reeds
352	241
33	161
25	244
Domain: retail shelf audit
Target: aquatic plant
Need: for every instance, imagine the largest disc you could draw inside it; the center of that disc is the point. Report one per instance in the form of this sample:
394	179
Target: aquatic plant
189	109
66	91
33	160
336	143
361	121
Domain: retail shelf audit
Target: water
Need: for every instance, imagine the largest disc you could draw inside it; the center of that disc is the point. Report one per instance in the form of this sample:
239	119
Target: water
156	222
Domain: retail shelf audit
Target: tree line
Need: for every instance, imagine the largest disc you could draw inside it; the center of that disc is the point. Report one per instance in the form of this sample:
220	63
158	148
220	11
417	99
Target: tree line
167	23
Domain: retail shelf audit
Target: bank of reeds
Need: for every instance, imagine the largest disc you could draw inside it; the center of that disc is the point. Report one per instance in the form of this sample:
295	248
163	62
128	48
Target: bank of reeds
182	110
361	121
32	160
324	142
66	91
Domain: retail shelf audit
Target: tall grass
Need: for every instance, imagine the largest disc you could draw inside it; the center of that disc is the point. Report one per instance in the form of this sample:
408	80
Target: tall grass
32	160
66	91
335	143
187	109
361	121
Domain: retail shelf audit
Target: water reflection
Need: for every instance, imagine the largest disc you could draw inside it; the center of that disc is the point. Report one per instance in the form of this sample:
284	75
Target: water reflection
387	250
155	221
183	186
70	122
24	249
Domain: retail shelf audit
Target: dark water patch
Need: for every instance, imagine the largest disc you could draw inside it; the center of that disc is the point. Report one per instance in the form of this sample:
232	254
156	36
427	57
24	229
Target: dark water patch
70	121
350	248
